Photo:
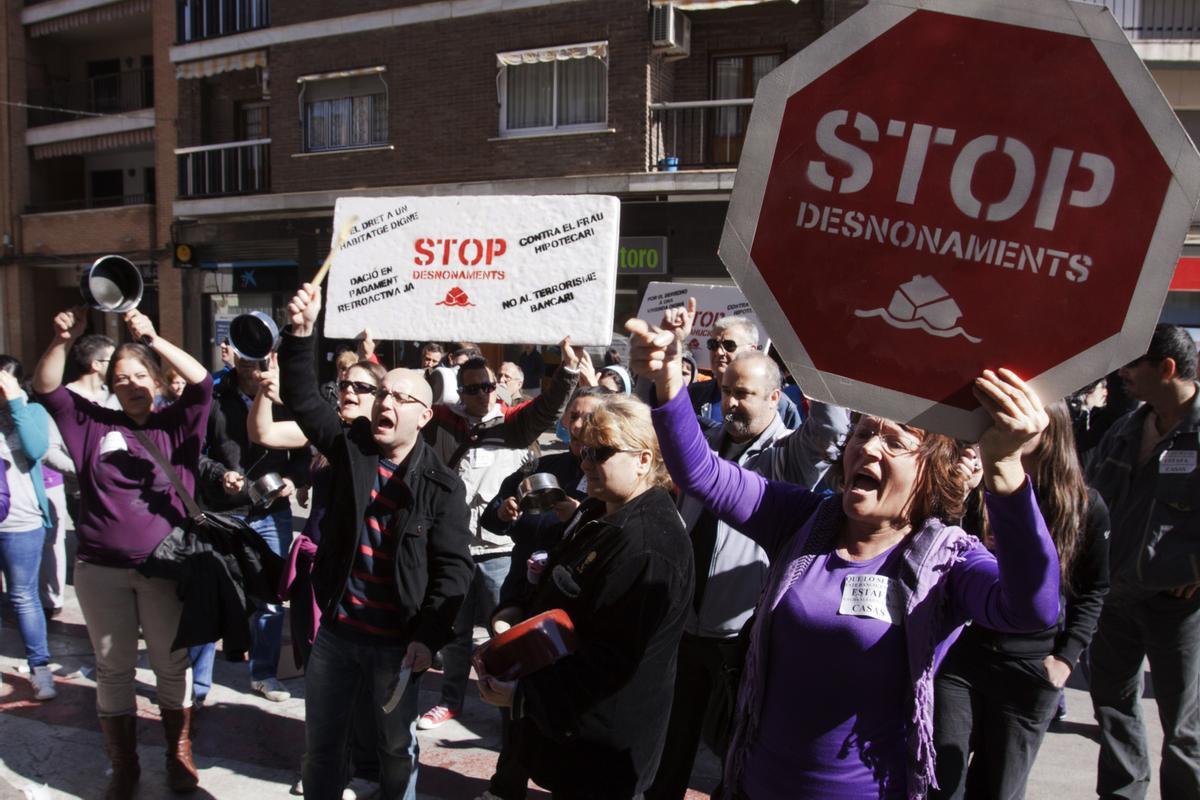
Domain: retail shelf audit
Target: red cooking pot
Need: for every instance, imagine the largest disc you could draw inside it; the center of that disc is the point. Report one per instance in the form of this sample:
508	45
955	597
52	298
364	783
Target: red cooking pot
528	646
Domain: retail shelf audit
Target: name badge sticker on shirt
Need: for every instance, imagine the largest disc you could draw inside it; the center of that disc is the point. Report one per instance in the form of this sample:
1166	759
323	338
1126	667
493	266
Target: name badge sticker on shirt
874	596
113	442
1177	462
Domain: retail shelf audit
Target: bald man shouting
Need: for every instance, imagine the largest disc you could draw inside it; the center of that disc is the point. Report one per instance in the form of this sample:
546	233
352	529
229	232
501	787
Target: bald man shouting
392	566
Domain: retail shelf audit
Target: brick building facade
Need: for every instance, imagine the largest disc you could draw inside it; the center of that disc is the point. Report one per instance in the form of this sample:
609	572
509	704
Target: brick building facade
232	126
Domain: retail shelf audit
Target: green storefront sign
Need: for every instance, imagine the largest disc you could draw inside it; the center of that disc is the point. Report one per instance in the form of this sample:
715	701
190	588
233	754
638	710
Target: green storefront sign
642	255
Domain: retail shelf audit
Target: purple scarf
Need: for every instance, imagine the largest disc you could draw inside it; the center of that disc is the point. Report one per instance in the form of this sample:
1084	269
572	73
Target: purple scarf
929	554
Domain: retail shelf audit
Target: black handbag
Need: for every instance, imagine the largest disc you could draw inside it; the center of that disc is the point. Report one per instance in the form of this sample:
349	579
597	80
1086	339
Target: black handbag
220	563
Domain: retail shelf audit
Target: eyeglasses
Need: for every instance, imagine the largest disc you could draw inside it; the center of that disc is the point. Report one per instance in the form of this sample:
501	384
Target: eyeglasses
358	387
894	443
400	398
598	455
477	388
728	345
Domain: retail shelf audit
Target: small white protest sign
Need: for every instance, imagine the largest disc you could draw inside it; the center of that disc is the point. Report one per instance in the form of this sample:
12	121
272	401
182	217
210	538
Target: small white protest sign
503	269
712	303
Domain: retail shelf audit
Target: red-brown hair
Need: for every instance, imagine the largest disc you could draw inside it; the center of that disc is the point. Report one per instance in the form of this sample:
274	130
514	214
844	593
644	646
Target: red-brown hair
939	490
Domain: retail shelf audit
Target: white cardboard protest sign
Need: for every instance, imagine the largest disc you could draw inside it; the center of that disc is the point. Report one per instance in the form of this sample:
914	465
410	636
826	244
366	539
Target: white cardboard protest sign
712	303
502	269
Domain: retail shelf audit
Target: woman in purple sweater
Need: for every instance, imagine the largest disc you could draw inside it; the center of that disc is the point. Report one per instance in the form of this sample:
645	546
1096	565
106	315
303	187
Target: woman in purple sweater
868	588
127	506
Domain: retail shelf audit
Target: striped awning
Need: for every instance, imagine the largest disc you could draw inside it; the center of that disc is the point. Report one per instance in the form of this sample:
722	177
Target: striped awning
215	66
92	16
562	53
95	144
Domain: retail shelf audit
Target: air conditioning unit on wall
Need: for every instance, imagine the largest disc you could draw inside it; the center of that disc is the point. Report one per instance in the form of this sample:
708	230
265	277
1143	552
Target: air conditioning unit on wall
671	31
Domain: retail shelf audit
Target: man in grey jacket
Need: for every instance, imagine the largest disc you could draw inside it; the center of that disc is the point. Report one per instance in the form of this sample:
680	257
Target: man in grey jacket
730	567
1145	468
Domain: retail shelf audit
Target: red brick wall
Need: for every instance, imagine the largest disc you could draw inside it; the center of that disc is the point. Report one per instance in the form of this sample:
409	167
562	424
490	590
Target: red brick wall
774	26
100	230
443	107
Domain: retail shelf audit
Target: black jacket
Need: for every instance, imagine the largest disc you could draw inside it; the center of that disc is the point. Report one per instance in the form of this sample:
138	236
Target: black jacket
1155	509
228	447
531	532
1079	603
594	723
220	567
433	562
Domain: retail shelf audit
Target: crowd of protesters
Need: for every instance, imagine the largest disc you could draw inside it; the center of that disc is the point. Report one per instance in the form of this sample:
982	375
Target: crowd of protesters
836	604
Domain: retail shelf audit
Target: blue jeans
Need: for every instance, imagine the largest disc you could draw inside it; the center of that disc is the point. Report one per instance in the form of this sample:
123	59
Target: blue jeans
21	561
267	625
337	669
479	604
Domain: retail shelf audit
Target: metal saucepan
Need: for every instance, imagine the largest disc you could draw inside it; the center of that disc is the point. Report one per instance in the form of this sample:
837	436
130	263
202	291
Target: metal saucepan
112	284
265	489
253	336
539	492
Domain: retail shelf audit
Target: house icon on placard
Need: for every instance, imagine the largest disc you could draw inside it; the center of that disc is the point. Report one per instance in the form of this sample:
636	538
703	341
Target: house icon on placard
924	298
922	303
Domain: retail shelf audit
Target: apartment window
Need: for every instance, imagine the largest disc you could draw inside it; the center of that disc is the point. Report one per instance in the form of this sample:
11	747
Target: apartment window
555	89
253	119
344	110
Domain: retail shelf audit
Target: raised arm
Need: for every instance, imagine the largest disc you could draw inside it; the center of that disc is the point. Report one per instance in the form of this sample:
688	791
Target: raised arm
31	420
804	456
523	424
761	509
261	425
1017	589
298	373
142	329
68	326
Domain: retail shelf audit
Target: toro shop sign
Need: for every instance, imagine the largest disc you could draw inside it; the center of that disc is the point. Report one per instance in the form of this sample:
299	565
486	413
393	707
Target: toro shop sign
935	188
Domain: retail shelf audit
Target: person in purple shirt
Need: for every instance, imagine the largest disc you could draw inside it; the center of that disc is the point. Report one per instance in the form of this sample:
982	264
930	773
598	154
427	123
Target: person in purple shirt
868	587
127	506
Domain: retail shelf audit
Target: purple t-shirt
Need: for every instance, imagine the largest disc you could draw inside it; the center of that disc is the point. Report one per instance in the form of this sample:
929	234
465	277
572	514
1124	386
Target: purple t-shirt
126	504
827	634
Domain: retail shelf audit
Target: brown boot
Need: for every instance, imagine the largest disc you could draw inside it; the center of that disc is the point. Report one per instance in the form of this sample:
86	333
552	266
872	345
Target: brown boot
120	742
181	772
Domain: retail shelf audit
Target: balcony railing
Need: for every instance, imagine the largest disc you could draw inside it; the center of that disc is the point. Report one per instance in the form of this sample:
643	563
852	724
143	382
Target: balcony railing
1156	19
206	19
701	134
216	170
77	204
103	94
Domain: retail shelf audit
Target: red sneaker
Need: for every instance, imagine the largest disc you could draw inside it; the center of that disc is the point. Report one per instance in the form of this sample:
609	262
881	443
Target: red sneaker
436	716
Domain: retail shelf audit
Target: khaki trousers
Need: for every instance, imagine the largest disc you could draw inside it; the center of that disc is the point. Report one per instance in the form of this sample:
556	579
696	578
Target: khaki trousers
115	602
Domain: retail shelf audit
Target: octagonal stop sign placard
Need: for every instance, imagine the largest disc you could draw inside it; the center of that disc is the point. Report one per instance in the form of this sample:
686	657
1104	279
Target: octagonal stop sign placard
934	188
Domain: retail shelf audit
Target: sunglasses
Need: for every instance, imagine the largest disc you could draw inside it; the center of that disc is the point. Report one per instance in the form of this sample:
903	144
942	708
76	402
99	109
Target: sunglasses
728	345
598	455
478	388
357	387
400	398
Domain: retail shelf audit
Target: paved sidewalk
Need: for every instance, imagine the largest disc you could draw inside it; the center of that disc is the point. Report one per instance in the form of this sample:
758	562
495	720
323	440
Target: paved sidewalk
248	747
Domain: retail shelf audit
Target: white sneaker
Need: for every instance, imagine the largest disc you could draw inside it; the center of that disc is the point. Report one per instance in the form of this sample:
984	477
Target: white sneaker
271	689
43	684
488	796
